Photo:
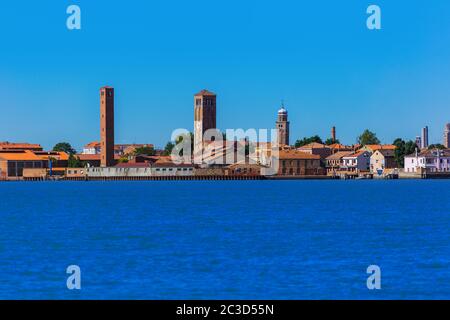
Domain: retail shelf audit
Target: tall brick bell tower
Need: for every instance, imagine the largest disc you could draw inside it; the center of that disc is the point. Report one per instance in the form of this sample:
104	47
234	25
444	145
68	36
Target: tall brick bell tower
107	126
282	126
204	117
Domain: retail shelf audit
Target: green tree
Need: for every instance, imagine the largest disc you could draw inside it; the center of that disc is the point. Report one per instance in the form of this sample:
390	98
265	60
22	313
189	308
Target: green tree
123	159
436	146
330	141
168	148
368	137
147	151
303	142
74	162
403	149
410	147
64	147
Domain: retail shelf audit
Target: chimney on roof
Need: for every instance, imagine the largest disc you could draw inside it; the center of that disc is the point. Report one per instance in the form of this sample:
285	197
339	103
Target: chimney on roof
333	134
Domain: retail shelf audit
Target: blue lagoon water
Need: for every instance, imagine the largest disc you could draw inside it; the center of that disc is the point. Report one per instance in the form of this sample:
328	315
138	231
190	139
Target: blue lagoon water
225	239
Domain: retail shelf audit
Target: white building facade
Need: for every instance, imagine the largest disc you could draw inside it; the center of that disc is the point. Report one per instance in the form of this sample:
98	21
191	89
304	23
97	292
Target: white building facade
428	161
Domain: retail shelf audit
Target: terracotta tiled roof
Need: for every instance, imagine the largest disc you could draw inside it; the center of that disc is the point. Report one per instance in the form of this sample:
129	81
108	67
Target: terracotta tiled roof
94	144
93	157
89	157
45	155
19	156
313	145
205	92
339	155
356	154
295	154
375	147
19	145
163	159
431	153
339	146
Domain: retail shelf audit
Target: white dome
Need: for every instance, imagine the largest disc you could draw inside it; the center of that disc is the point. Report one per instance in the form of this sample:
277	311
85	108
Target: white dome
282	110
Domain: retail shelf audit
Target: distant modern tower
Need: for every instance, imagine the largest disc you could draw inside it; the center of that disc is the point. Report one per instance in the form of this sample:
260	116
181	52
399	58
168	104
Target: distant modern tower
447	135
107	126
424	144
333	134
282	126
204	117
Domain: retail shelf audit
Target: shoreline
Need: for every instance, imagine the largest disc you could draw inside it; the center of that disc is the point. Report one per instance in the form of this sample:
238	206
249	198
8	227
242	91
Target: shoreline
219	178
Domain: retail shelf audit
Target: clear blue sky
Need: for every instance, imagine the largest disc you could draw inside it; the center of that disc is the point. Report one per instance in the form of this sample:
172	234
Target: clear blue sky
316	55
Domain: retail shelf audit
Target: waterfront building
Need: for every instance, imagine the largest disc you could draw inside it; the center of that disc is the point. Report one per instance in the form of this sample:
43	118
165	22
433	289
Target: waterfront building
296	163
447	136
204	118
382	161
90	160
315	148
141	170
358	162
92	148
75	173
261	152
107	126
19	146
428	161
334	162
244	168
13	163
93	160
282	127
424	138
59	159
34	173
